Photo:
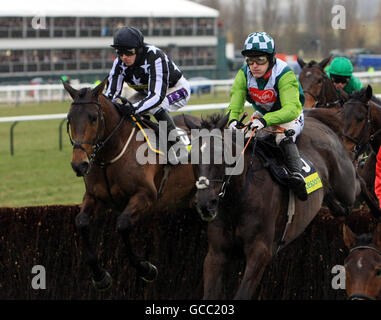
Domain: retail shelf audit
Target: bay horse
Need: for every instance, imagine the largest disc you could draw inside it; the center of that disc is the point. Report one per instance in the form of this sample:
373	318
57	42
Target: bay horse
251	216
357	123
363	264
361	116
104	154
361	121
318	88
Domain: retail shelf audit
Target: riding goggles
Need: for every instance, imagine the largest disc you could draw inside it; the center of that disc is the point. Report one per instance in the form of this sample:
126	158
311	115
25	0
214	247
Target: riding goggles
339	79
260	60
127	52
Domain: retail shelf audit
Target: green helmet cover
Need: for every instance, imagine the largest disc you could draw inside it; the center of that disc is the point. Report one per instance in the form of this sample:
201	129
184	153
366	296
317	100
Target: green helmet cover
259	42
341	66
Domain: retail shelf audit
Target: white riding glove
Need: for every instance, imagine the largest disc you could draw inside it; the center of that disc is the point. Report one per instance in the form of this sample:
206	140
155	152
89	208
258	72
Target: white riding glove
233	125
257	123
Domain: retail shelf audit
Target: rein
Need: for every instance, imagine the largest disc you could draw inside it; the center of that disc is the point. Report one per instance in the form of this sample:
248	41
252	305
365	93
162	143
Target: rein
359	296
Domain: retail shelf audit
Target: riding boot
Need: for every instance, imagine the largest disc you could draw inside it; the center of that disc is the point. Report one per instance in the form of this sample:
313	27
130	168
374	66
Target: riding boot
172	156
294	165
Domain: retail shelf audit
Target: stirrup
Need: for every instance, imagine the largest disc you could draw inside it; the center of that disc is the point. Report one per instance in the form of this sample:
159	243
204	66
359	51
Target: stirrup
298	185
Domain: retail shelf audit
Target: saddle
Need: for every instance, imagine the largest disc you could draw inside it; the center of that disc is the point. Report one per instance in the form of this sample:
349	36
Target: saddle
271	158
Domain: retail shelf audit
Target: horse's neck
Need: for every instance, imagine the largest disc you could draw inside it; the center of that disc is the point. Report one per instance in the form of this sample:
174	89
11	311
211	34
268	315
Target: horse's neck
331	117
329	92
376	119
112	120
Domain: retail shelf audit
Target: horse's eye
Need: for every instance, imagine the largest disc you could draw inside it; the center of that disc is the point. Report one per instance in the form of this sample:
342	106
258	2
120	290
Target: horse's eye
319	81
378	272
92	119
360	118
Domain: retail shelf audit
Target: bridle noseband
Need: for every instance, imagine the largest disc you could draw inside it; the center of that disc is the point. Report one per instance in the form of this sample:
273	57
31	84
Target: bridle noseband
359	296
97	143
204	183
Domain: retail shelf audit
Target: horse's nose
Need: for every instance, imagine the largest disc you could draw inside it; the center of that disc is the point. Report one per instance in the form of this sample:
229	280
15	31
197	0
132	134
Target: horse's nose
208	211
80	168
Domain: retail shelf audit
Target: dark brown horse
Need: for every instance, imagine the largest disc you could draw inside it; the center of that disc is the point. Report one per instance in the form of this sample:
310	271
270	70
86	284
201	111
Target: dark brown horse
362	122
318	89
363	264
252	216
361	119
357	123
105	154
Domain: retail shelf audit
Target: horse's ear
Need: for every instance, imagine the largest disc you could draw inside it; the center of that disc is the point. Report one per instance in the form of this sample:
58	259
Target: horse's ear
368	92
223	121
348	236
301	62
73	92
99	88
189	123
377	236
324	62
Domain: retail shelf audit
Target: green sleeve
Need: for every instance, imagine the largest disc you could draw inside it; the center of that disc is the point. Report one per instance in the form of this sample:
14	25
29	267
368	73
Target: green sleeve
237	96
354	84
357	83
289	96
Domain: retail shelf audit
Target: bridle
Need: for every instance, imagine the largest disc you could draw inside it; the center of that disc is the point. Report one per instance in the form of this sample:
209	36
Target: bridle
97	143
359	296
362	144
204	182
318	103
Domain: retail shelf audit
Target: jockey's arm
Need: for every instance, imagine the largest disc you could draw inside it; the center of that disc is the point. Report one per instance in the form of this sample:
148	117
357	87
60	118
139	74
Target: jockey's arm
291	108
115	81
237	96
158	85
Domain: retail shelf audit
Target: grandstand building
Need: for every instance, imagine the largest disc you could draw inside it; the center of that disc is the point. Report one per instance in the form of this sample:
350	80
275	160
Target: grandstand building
48	39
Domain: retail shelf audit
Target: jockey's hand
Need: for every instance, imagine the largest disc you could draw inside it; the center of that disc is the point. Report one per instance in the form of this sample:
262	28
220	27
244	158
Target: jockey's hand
233	125
258	124
126	110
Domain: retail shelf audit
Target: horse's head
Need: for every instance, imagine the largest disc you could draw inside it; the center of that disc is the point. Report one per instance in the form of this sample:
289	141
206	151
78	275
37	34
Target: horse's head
208	163
358	124
86	125
313	80
363	264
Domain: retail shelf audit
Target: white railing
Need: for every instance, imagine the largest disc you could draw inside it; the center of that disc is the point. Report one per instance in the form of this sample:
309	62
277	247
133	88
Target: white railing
63	116
16	94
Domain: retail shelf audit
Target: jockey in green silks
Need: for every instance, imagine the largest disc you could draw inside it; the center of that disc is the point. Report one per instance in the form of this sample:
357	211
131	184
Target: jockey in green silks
272	88
340	71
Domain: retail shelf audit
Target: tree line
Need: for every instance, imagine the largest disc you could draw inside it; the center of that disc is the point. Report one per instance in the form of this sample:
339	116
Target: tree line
299	26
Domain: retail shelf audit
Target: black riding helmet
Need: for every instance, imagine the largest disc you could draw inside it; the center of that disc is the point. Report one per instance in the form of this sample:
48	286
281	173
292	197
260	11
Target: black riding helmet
128	38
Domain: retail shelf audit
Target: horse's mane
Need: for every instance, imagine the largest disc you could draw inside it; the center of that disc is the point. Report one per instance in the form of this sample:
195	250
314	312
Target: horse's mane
363	239
312	63
82	92
211	120
359	95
